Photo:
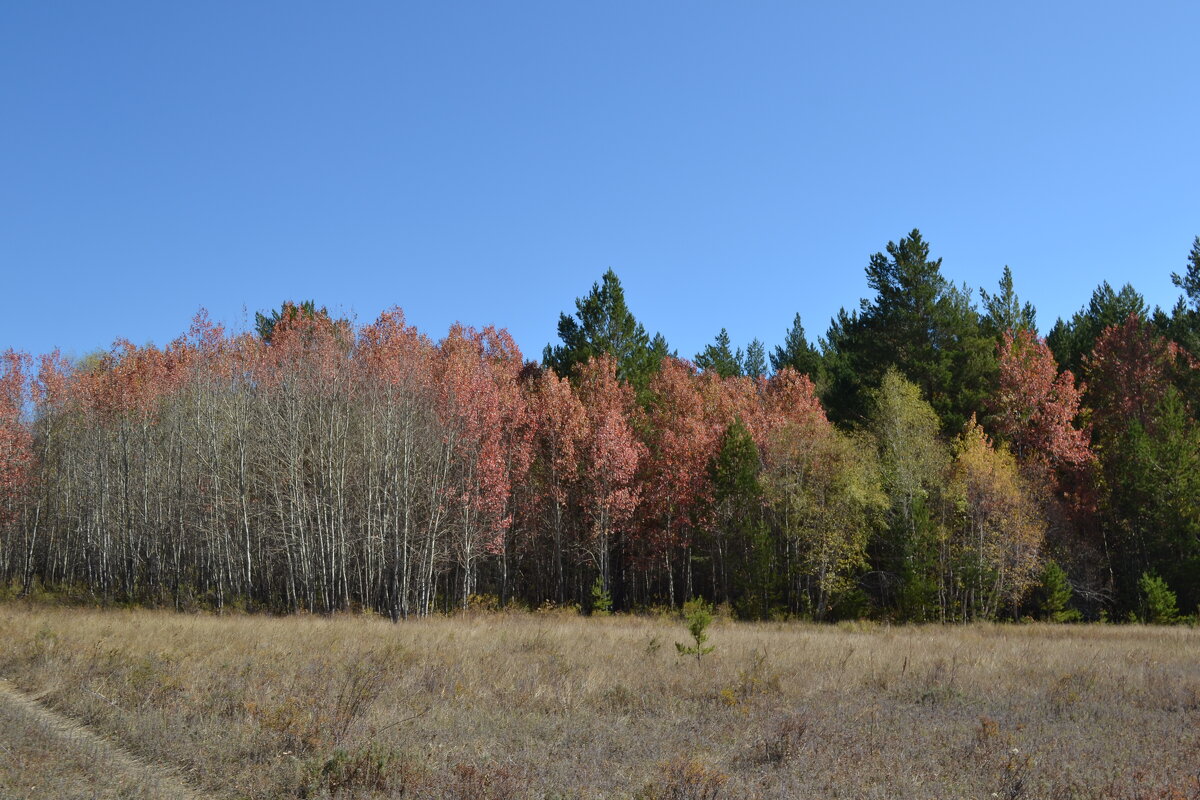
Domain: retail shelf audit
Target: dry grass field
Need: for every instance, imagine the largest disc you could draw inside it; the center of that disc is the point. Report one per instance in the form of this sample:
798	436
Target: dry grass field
43	754
498	706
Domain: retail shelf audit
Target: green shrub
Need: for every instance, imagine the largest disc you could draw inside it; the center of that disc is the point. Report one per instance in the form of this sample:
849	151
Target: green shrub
601	600
1055	595
699	616
1158	601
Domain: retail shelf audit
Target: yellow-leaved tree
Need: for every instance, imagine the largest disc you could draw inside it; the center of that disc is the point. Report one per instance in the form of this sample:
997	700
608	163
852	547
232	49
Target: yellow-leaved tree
823	487
992	554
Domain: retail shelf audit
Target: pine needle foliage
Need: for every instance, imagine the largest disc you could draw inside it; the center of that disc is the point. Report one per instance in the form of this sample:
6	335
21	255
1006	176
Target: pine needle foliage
698	615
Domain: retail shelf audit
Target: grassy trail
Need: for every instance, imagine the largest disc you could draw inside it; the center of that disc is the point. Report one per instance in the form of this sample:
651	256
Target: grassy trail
45	754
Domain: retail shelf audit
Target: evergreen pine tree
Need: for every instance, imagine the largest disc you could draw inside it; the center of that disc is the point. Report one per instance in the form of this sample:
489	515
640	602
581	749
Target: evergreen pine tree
1182	325
264	326
741	545
1190	280
603	324
796	352
1055	595
1071	341
718	358
754	364
1003	311
918	322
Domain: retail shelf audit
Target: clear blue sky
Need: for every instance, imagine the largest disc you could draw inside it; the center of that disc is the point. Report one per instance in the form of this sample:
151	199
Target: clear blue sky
734	163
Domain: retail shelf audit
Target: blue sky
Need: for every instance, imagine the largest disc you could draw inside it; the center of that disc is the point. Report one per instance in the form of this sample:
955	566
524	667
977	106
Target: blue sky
734	163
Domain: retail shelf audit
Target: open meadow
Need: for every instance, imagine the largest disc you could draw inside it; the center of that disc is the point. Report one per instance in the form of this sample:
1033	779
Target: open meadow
553	705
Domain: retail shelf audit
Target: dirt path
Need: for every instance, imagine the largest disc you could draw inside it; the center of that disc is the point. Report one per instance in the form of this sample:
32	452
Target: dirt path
44	754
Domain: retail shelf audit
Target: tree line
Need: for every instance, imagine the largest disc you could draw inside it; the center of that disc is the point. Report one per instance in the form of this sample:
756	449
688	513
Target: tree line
931	458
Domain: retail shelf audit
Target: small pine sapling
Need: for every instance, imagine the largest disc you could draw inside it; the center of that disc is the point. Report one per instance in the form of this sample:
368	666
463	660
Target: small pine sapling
699	616
1159	600
601	600
1056	595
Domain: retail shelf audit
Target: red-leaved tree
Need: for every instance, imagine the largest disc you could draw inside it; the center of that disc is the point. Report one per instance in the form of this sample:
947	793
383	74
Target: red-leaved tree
612	453
560	427
1036	405
16	443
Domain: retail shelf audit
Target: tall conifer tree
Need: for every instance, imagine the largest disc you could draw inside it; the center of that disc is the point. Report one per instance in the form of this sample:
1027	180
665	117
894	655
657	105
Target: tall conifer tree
921	324
719	358
1072	340
1003	311
796	352
604	325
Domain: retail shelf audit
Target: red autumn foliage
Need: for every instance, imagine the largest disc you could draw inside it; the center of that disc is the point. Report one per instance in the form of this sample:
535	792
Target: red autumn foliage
311	348
561	426
1128	373
472	409
52	390
682	440
395	354
1036	406
791	402
612	453
16	444
491	430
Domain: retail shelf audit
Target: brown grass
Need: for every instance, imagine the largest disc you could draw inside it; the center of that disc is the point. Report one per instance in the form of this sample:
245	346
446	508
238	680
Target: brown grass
501	706
43	754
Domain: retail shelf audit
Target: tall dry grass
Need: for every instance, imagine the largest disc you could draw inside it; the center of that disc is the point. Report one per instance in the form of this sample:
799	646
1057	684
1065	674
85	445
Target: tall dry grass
549	706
